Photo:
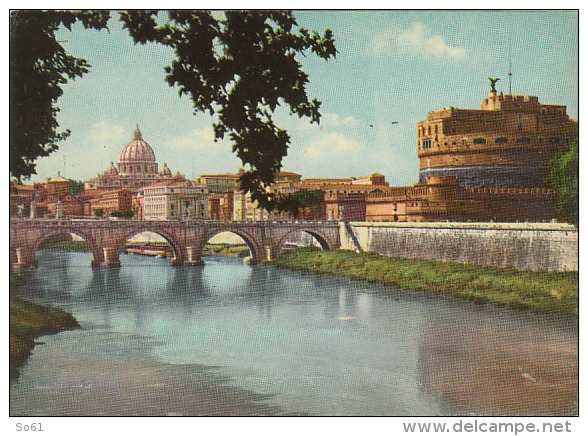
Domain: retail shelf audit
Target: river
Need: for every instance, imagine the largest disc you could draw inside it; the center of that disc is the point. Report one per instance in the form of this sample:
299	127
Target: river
228	338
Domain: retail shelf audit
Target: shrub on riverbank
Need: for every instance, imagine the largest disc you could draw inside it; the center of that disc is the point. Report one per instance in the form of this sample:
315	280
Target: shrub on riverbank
29	320
540	291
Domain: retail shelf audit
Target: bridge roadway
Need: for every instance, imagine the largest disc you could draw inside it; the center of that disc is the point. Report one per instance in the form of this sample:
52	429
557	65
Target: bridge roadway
107	237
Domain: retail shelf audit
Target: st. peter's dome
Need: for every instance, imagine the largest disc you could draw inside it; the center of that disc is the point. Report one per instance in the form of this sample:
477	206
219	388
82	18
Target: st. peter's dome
137	156
136	168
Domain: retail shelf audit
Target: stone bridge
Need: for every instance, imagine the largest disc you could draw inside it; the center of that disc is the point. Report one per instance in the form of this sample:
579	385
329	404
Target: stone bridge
108	237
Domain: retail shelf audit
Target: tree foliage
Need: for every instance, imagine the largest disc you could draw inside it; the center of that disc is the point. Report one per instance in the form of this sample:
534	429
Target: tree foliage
302	199
239	69
308	197
39	66
121	214
564	178
75	186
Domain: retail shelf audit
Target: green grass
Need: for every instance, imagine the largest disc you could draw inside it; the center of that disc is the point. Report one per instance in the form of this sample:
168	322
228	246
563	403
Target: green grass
232	250
539	291
81	246
29	320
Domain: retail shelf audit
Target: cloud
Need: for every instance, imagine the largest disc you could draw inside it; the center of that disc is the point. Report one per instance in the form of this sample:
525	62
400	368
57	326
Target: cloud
382	42
330	145
332	120
195	152
415	41
195	139
103	133
329	121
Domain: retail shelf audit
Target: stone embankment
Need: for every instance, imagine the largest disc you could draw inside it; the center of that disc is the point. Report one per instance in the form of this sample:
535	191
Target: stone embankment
522	246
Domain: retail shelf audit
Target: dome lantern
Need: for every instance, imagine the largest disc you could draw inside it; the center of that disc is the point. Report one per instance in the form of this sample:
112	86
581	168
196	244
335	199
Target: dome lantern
137	134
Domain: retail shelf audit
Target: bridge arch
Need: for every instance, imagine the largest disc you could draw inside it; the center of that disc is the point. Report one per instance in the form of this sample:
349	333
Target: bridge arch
120	242
318	236
44	237
254	246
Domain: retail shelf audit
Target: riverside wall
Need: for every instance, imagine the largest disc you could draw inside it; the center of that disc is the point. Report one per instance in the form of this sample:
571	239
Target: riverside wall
523	246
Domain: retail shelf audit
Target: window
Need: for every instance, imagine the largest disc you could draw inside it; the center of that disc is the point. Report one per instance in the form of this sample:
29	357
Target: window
479	140
426	144
500	140
523	139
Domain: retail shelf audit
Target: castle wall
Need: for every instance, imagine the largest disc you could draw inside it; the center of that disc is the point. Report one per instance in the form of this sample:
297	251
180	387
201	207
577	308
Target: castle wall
535	247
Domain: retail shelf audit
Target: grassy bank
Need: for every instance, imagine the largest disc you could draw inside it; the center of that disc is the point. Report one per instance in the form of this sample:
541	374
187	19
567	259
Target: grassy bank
226	250
539	291
29	320
81	246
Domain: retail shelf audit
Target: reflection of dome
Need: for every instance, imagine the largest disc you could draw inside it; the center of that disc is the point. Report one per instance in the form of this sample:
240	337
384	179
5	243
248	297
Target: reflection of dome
137	156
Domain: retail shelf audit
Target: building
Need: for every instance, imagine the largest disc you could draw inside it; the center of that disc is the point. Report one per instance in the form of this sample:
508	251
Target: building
56	188
220	188
219	183
176	199
287	178
244	209
69	205
220	206
315	183
350	206
109	203
20	199
52	198
137	167
507	143
487	164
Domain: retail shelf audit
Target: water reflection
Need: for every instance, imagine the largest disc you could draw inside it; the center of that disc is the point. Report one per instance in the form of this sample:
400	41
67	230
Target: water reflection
263	286
326	345
509	363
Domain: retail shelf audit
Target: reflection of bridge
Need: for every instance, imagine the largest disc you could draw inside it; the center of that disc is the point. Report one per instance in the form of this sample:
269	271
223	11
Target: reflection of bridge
107	238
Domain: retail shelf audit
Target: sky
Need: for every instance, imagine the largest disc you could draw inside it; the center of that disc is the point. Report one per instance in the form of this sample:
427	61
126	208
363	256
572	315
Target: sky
392	68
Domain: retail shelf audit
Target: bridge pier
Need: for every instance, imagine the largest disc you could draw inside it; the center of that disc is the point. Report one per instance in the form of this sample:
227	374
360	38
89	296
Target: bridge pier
25	258
270	253
111	259
192	255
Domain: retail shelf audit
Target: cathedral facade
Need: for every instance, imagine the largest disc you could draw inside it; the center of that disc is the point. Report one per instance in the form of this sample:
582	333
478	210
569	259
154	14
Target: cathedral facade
137	168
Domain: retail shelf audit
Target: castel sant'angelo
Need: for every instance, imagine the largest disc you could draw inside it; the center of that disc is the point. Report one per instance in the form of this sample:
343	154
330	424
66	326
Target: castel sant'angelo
487	164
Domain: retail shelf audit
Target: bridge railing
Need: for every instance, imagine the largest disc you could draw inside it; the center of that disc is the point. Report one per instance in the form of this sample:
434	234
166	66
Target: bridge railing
194	221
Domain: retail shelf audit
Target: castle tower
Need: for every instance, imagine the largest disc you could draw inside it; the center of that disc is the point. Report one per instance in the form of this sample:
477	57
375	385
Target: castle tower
508	142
